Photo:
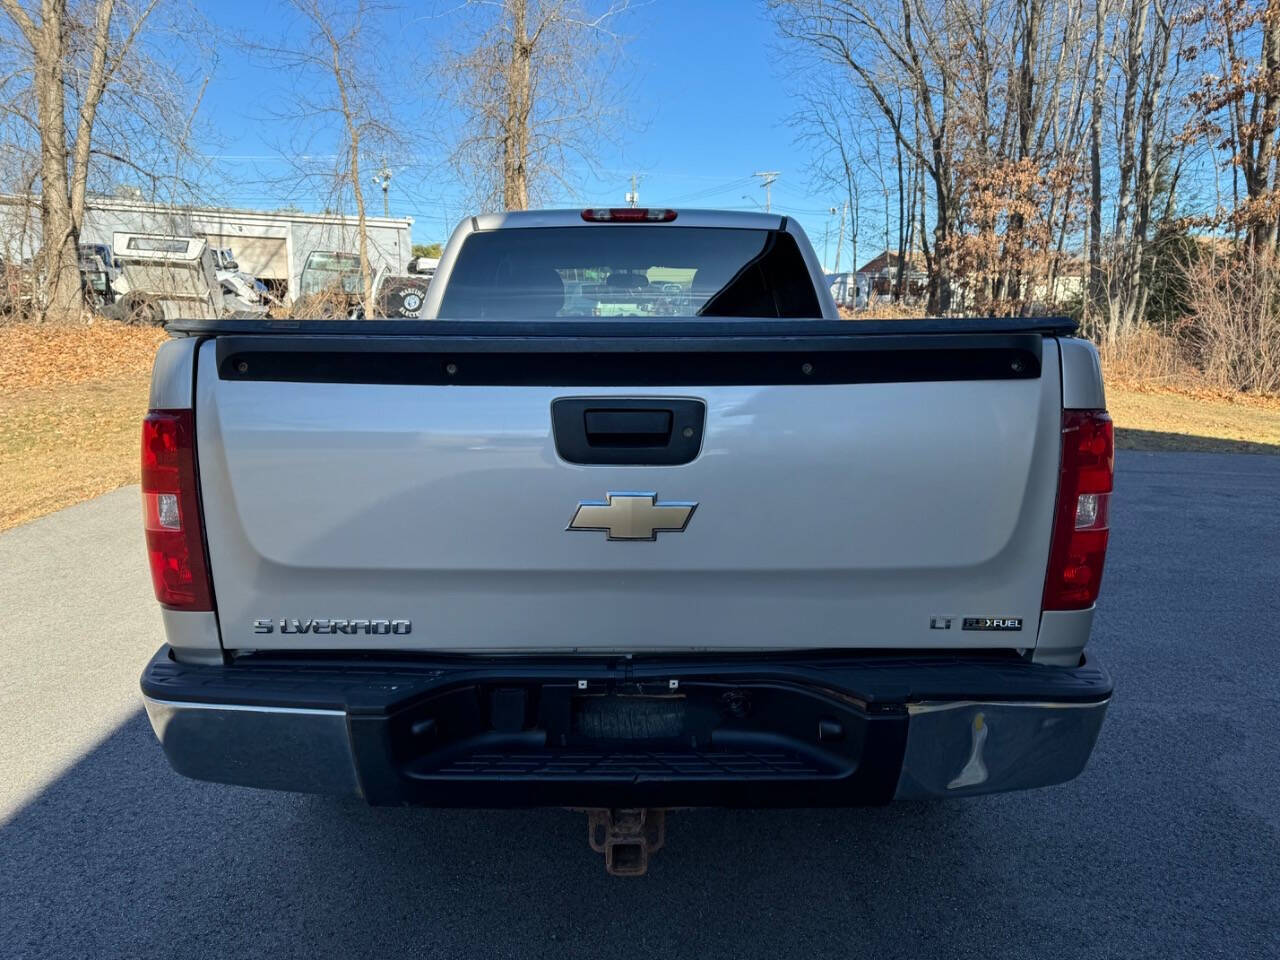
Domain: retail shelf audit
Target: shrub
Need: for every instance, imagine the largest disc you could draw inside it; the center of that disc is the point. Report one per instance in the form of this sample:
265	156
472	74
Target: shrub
1148	358
1233	326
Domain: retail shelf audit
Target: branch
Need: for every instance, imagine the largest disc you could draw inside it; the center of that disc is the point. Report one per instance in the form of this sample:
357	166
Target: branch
23	20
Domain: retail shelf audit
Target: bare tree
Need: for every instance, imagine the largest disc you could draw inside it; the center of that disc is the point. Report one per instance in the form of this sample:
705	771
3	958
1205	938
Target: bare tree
982	99
75	54
342	84
533	87
1041	128
1096	290
1237	109
828	123
887	48
1147	91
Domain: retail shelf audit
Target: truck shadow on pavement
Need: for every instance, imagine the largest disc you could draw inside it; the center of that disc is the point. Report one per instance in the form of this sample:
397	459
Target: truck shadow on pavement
120	857
1158	441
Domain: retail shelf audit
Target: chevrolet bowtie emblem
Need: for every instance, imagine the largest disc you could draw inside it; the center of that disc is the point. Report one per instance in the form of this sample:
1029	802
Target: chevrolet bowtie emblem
632	516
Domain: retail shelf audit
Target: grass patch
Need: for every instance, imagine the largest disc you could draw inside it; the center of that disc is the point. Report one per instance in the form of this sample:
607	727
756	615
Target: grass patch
1201	421
61	445
72	399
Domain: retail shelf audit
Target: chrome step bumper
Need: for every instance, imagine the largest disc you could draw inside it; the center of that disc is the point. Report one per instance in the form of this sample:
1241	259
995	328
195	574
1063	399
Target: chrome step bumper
729	731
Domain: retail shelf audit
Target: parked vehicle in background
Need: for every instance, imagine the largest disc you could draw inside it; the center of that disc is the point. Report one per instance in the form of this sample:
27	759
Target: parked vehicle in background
329	270
16	288
424	267
401	298
846	291
331	286
173	278
224	259
103	252
631	521
237	284
96	279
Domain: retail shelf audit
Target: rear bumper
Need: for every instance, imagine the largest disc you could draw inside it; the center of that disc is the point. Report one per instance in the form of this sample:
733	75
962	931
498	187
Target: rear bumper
757	731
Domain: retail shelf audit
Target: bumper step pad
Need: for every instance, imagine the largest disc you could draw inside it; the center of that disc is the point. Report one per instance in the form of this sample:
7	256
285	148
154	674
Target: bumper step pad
634	766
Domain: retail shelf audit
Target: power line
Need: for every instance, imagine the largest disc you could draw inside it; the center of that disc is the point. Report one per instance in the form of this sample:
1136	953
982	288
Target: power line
766	180
711	191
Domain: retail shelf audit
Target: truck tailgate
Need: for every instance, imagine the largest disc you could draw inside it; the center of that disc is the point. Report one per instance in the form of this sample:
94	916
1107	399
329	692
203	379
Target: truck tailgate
389	504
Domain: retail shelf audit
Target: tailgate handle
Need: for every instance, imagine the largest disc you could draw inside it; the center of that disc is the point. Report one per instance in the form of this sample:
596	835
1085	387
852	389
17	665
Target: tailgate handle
628	428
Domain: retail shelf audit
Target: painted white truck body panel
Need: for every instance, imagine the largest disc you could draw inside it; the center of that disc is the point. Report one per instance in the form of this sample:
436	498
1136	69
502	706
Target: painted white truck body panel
829	516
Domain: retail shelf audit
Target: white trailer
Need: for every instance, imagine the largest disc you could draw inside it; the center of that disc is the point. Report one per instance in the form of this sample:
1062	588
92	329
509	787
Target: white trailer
171	275
172	278
272	246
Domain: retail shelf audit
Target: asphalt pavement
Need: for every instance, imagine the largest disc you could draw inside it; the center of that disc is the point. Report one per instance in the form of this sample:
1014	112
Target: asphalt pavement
1167	846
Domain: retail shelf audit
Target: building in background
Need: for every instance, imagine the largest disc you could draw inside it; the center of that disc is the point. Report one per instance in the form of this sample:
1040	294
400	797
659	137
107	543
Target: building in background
878	275
270	245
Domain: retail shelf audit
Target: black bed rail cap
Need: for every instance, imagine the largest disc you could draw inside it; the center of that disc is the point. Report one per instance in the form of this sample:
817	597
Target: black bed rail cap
628	329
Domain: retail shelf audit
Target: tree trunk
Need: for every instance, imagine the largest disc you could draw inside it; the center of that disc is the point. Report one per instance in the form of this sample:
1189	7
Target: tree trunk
352	123
91	98
902	235
1263	235
515	159
366	272
940	277
1097	289
59	258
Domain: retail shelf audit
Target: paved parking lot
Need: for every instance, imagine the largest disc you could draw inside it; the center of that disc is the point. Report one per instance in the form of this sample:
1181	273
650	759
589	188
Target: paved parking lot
1168	845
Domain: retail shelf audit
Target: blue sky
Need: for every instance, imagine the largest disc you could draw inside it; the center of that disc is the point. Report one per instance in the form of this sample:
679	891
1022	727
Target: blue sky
709	102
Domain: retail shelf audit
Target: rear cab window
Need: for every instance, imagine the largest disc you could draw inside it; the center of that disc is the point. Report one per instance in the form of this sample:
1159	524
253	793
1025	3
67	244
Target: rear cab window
629	271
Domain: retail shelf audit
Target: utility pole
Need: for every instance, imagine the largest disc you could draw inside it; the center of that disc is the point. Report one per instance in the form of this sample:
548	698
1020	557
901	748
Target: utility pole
886	228
383	179
633	198
766	180
854	224
844	209
826	238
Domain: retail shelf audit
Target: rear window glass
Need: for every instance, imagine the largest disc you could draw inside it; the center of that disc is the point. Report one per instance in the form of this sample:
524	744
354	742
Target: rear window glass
157	245
628	271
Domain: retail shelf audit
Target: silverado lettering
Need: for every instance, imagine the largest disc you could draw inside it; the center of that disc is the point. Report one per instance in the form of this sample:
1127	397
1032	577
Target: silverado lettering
383	627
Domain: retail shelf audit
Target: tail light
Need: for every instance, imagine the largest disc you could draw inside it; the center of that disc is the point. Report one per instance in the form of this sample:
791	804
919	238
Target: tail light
171	511
628	215
1084	501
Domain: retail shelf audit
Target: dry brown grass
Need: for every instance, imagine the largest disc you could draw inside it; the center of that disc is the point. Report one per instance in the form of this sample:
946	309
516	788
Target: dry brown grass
1201	421
1161	401
1233	331
1149	361
883	310
71	404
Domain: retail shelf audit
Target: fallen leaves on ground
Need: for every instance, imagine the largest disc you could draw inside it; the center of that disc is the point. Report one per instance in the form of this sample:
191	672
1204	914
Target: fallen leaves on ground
51	355
72	399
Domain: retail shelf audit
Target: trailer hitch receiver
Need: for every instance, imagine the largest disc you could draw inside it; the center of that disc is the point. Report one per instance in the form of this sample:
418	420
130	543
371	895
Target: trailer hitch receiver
626	837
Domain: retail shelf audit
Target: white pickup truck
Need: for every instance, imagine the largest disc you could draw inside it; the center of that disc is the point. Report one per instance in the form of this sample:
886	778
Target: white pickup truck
631	521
